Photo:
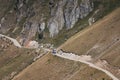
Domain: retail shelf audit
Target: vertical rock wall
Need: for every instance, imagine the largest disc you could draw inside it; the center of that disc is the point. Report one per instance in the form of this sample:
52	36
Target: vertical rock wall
67	13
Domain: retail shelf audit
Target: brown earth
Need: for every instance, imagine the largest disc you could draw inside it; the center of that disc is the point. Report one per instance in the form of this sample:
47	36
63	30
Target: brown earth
13	59
54	68
101	40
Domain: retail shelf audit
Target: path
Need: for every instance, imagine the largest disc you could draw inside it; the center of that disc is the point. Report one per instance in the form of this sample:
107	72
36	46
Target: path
15	42
83	58
86	60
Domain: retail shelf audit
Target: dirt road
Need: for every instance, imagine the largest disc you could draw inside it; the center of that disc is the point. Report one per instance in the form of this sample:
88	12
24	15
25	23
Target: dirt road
13	40
86	60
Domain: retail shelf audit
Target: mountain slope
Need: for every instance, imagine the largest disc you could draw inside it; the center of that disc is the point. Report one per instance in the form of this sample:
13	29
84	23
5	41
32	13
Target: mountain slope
54	68
103	33
101	41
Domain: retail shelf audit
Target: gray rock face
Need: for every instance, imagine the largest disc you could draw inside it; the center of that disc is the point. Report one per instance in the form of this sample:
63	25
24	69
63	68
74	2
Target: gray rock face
56	23
53	27
29	31
23	9
42	26
72	12
67	13
33	30
63	13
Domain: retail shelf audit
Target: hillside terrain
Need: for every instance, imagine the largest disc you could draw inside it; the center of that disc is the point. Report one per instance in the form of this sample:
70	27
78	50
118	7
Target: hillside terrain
48	21
101	41
59	40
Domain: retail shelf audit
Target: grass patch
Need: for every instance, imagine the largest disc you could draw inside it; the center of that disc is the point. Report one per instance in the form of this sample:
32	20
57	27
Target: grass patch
16	64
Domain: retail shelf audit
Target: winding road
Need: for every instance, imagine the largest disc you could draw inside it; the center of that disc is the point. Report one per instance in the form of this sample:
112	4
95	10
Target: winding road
83	58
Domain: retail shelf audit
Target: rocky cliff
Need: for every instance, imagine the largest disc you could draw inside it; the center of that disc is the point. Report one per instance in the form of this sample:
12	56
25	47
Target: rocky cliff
24	18
66	13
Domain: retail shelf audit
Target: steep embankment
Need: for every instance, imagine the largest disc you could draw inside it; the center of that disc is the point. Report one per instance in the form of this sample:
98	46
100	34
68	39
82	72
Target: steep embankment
83	58
100	41
86	59
55	68
101	36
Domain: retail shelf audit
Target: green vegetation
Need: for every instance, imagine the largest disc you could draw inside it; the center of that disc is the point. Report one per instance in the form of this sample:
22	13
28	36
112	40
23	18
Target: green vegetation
109	5
22	21
81	24
65	34
30	2
9	7
22	60
103	79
